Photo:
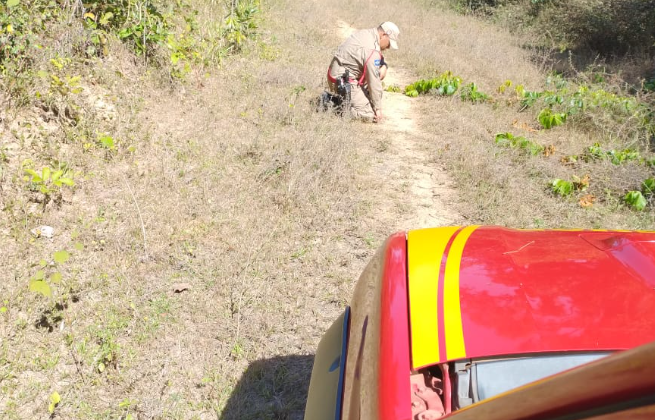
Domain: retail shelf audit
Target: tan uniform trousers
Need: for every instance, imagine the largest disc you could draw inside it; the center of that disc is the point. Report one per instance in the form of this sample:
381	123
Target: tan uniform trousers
360	105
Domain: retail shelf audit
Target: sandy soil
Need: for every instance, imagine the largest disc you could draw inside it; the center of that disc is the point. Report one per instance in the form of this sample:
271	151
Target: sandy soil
406	167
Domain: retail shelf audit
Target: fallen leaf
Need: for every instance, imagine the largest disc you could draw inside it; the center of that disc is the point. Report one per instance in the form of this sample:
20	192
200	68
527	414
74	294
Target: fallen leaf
523	126
181	287
587	200
549	150
582	184
569	160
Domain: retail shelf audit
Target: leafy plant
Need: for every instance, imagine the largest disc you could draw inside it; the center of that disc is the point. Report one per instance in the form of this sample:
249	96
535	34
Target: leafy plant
520	142
445	85
471	93
561	187
240	23
135	22
529	97
62	87
506	85
51	272
635	200
549	119
394	88
48	180
596	152
54	401
648	187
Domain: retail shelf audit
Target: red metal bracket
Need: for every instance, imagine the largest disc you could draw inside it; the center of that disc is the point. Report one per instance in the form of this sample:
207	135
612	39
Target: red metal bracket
426	397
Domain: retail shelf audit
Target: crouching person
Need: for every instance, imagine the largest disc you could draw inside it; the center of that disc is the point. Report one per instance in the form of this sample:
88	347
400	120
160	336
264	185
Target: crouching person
359	59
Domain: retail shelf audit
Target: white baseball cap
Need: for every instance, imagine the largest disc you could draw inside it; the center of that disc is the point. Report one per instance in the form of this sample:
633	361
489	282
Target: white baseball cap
392	30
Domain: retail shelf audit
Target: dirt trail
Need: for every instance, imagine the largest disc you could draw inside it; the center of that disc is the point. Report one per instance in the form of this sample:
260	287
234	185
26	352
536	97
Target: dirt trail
406	167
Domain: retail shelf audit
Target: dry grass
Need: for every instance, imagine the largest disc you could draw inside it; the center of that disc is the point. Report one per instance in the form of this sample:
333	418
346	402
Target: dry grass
231	187
506	187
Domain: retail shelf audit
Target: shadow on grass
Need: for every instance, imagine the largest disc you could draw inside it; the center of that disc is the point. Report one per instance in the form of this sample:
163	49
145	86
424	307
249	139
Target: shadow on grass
274	389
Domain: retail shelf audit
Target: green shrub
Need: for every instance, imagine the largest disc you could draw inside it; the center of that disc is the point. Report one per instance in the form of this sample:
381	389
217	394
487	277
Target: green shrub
518	142
138	23
606	27
445	85
561	187
471	93
635	200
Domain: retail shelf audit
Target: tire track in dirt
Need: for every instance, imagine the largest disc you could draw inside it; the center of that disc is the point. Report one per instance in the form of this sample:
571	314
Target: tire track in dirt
406	168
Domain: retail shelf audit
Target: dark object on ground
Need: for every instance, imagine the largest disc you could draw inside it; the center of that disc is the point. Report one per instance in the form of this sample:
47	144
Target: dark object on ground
339	102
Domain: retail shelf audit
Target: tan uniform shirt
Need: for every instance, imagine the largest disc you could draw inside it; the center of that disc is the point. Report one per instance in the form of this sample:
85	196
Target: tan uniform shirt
361	50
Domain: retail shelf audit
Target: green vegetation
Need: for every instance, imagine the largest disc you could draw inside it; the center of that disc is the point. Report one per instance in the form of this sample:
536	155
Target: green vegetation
639	200
562	187
471	93
519	142
73	80
162	34
549	119
586	105
603	26
393	88
636	200
444	85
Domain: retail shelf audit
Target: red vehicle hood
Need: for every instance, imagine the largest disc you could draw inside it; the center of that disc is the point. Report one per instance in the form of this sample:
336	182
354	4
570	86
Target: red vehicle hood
494	291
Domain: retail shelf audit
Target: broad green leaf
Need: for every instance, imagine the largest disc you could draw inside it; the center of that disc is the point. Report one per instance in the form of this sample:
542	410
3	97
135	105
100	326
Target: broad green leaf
107	142
54	400
548	119
56	175
562	187
636	200
79	246
503	139
57	64
12	3
106	18
3	309
39	275
36	178
648	186
43	263
45	174
40	286
101	367
66	181
56	277
61	256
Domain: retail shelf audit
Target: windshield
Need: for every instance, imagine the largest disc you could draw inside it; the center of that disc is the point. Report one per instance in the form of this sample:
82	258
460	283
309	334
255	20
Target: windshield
494	377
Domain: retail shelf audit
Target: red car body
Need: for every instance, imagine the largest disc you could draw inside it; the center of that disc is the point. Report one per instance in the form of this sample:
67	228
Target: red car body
434	302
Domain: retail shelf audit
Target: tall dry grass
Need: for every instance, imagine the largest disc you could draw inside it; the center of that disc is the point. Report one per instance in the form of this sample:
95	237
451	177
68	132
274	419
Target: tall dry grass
501	186
228	188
